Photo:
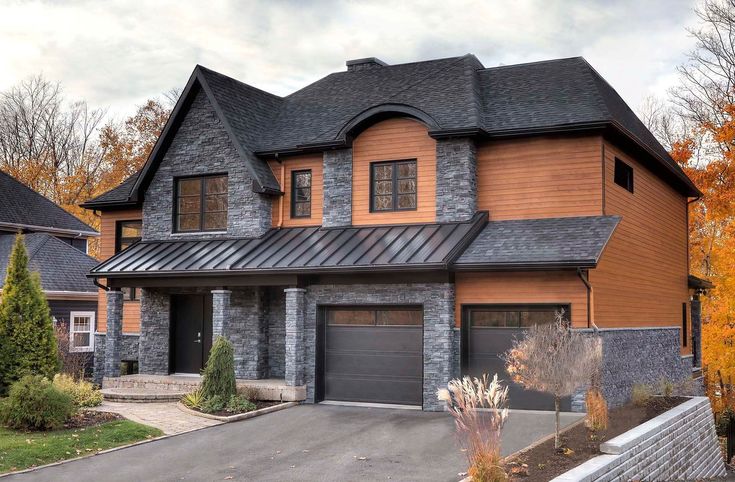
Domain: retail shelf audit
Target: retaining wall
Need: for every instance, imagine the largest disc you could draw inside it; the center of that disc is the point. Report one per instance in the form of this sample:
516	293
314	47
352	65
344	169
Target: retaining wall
680	444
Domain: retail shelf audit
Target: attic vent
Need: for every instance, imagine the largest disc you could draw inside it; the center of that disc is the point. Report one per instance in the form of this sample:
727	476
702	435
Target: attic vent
364	64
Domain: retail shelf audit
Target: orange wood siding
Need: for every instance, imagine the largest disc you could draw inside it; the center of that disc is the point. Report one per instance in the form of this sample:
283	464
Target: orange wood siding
527	287
131	309
313	162
389	140
540	177
642	277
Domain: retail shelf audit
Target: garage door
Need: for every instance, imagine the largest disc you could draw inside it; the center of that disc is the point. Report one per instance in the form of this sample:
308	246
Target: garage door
374	354
488	332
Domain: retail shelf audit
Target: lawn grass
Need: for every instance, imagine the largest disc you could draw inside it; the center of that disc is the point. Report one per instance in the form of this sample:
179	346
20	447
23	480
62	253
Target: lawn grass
22	450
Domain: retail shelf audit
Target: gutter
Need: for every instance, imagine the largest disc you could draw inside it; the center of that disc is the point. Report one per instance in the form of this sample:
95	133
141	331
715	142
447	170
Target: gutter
584	276
75	232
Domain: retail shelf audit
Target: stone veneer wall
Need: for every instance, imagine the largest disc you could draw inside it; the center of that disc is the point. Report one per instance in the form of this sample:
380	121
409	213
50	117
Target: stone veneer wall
202	146
337	188
248	332
456	179
155	309
128	351
680	444
438	302
276	332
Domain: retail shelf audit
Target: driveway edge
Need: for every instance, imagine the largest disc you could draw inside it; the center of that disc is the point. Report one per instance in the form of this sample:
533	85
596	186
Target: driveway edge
239	416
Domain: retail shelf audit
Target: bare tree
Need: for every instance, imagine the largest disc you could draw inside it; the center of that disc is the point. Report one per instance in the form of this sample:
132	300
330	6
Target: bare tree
555	359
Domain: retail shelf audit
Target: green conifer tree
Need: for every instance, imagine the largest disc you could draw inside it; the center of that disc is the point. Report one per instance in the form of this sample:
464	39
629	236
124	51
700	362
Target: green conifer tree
218	378
27	342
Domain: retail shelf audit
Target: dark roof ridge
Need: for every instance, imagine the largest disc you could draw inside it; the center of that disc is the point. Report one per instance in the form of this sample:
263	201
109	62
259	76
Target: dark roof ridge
244	84
535	62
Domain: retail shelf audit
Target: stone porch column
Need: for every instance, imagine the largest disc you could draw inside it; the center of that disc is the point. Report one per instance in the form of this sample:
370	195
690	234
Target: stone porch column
438	345
295	306
696	315
220	312
113	339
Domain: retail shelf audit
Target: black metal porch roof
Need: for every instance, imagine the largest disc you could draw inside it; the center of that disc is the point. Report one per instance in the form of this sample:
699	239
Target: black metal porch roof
294	250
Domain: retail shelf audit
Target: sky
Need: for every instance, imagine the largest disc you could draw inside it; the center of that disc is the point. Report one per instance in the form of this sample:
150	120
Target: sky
116	53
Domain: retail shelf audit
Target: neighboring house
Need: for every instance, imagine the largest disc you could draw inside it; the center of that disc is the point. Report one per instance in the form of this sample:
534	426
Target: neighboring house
56	243
389	227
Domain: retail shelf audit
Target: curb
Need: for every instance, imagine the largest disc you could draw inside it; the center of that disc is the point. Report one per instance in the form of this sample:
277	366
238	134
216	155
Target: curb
239	416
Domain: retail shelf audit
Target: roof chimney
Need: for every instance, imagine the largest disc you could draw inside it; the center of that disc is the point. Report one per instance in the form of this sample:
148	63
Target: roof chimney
364	64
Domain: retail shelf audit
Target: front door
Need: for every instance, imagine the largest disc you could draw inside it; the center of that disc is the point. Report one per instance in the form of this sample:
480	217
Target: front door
191	322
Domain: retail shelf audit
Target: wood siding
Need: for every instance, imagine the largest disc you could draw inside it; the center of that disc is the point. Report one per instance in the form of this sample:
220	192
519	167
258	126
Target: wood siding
131	309
313	162
642	277
390	140
518	288
540	177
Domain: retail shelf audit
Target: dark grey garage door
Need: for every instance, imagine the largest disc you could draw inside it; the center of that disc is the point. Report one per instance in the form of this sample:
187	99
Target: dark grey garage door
374	354
488	332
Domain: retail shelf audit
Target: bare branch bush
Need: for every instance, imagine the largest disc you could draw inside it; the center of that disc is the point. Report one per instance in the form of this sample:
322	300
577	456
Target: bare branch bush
478	429
72	363
555	359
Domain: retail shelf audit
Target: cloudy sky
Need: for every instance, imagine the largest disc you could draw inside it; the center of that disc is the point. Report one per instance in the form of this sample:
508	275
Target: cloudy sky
116	53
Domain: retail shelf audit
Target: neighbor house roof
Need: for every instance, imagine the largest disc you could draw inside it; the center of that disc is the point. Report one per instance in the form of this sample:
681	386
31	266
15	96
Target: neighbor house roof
294	250
528	243
21	207
118	196
62	267
452	96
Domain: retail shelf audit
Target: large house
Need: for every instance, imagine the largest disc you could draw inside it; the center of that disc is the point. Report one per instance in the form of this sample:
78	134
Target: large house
390	227
56	243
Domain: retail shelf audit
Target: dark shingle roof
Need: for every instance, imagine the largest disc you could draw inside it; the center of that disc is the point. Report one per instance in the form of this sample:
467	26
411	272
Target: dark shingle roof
293	250
574	242
117	195
452	94
22	206
62	267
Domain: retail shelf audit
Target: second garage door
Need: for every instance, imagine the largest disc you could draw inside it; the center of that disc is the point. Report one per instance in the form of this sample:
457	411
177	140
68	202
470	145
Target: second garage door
374	354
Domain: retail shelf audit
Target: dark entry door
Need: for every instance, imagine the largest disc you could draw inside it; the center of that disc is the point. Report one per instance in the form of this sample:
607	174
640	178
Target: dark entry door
374	354
488	331
191	320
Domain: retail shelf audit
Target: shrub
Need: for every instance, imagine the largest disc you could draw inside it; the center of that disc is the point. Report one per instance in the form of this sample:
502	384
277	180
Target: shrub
218	378
641	394
479	432
193	399
596	410
70	362
214	404
81	392
27	344
555	359
666	387
249	393
238	404
35	404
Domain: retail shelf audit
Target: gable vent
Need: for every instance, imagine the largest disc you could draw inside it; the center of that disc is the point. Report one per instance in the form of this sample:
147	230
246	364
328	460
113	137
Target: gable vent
364	64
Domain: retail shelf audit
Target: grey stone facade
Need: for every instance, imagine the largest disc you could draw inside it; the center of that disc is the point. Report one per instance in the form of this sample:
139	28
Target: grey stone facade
456	179
113	340
337	188
248	332
128	352
220	312
202	146
696	318
276	332
438	302
295	357
155	308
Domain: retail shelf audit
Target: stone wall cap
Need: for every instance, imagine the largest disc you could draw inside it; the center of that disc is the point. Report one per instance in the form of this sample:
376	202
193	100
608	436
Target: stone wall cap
295	290
221	291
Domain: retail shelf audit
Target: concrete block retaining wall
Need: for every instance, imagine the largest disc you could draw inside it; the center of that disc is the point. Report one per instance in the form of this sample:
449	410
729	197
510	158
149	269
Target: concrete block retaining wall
680	444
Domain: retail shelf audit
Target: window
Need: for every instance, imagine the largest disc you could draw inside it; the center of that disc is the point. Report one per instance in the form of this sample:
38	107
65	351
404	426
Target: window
393	316
393	186
201	204
81	331
684	325
515	316
301	194
623	175
127	233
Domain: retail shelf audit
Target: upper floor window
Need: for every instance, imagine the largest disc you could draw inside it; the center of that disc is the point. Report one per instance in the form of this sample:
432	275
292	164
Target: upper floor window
623	175
127	233
393	186
201	203
301	194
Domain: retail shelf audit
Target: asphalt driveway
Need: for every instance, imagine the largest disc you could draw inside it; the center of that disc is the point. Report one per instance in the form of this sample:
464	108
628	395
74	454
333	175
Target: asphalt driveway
308	442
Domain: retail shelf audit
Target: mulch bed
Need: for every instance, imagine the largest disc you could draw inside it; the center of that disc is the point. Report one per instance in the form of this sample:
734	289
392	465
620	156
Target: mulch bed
91	418
542	463
224	413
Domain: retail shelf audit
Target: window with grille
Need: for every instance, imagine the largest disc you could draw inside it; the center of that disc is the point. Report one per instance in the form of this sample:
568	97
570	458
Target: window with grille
81	331
201	204
393	186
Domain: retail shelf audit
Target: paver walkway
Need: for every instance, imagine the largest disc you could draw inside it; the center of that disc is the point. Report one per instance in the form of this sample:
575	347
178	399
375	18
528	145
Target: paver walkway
164	416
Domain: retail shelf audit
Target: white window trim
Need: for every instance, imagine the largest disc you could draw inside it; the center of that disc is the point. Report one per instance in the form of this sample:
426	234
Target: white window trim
92	326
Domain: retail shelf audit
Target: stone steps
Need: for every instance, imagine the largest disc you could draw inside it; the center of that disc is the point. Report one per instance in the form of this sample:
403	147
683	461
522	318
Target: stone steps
141	395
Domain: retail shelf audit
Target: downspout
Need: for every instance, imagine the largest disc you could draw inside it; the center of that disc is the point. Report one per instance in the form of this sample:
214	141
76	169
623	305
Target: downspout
584	277
283	187
100	285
